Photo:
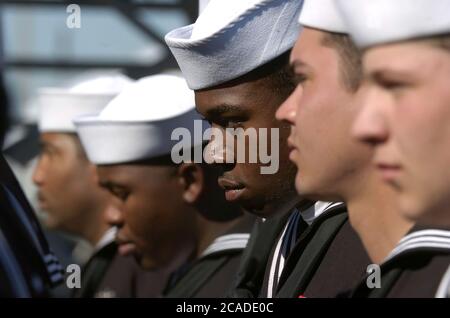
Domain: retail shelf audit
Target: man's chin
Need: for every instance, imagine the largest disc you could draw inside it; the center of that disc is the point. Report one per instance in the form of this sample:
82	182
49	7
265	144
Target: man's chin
146	263
52	224
259	209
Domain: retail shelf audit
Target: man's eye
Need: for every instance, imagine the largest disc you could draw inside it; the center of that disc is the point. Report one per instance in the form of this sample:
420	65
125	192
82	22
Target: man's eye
46	150
392	85
119	193
299	79
231	122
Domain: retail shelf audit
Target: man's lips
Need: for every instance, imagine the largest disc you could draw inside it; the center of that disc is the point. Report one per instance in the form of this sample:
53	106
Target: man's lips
290	143
41	201
233	190
292	149
388	171
126	247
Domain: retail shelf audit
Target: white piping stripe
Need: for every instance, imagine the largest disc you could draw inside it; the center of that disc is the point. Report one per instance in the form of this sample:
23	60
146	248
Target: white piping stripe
218	243
274	263
425	233
57	275
415	240
232	237
444	287
398	251
335	204
280	267
50	258
54	267
424	239
226	243
238	244
224	248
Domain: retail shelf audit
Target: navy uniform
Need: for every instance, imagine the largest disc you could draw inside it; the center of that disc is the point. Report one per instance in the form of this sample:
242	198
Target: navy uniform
323	258
416	268
255	257
212	274
129	131
27	266
14	281
22	231
207	51
418	265
107	274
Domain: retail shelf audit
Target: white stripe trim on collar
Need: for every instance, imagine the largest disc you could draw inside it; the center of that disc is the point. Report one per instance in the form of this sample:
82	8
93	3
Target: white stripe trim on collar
243	236
444	287
422	233
439	239
274	262
107	238
317	209
227	242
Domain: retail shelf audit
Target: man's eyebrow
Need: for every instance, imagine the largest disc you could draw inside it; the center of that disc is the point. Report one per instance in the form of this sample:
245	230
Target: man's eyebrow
383	74
104	184
111	184
45	145
222	109
107	184
296	63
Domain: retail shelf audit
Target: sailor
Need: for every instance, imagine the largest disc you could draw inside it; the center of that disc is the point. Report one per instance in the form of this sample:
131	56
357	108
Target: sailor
321	110
29	267
405	118
235	57
68	189
170	215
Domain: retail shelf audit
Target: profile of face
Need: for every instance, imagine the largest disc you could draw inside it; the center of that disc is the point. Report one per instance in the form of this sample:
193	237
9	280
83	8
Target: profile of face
67	184
250	103
150	211
320	111
406	117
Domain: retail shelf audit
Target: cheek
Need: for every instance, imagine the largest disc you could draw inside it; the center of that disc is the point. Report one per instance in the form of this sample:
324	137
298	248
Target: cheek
140	219
420	122
313	121
78	179
422	131
150	213
61	175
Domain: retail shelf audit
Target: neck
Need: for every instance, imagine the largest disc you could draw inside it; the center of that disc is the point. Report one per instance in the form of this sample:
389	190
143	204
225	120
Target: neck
374	216
285	205
95	227
439	219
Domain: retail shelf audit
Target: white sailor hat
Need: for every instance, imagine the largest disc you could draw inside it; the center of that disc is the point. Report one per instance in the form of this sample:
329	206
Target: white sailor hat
202	5
323	15
233	37
383	21
59	106
138	123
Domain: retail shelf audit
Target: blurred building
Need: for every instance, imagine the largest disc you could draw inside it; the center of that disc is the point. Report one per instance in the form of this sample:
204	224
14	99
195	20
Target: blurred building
38	48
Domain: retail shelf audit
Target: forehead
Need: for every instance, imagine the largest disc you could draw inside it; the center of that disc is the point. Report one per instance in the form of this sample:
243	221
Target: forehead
310	50
242	95
411	56
124	173
57	138
307	40
62	142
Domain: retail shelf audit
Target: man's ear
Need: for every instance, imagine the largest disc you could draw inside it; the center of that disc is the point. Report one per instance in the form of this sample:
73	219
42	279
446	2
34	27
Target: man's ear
192	180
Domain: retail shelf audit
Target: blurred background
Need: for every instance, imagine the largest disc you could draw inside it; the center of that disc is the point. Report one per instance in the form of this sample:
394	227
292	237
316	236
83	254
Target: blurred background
40	46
